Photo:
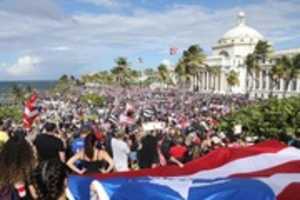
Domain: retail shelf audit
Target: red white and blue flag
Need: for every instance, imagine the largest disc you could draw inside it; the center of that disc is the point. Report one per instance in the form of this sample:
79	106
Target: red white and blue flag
173	50
266	171
31	111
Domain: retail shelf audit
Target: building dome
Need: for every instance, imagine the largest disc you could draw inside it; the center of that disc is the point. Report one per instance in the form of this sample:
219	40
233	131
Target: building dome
242	31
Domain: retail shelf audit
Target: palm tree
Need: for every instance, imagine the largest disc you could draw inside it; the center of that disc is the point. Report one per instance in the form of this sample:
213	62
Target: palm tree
263	50
163	74
277	72
18	94
253	61
28	89
121	71
291	68
181	74
191	63
232	79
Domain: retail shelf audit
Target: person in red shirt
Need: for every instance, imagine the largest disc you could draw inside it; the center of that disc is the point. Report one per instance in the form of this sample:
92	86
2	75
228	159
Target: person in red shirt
178	152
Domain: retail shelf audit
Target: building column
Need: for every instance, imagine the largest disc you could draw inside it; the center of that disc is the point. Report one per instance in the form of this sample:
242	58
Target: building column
217	83
203	81
261	80
223	82
253	82
206	81
281	88
267	81
197	81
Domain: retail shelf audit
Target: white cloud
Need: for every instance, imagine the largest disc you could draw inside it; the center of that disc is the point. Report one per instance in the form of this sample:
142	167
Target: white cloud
26	65
106	3
60	48
83	42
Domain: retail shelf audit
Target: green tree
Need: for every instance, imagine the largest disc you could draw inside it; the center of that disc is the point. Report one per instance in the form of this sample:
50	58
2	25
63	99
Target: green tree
255	60
64	78
272	118
121	71
262	51
291	66
18	94
93	99
276	73
11	112
163	74
191	63
232	79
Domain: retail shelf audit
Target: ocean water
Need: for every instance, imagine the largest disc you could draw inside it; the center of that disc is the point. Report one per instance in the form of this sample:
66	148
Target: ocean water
6	86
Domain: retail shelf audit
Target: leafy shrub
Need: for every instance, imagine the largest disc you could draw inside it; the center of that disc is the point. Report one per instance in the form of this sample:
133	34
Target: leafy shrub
269	119
11	112
93	99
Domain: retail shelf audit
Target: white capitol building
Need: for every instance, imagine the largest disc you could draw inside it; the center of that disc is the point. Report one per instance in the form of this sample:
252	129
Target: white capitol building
230	53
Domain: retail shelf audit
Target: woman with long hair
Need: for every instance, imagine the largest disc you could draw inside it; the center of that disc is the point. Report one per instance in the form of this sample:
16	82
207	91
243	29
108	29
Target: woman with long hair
48	181
91	158
16	162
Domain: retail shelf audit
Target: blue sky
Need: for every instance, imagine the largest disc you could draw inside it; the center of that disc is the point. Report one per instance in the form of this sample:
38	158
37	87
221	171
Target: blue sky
43	39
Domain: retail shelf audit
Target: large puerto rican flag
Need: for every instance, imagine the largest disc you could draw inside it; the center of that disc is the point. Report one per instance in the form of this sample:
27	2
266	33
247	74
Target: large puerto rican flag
31	111
266	171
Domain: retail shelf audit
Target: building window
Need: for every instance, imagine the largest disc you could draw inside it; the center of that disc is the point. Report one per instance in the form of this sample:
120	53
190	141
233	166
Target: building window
224	53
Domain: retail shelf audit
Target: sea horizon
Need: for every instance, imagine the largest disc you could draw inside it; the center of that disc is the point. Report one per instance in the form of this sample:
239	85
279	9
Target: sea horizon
42	85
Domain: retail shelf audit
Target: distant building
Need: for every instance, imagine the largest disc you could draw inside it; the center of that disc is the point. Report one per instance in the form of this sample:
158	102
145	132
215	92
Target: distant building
230	54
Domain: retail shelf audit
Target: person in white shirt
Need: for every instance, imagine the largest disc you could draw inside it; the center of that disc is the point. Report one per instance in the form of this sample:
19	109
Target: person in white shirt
120	150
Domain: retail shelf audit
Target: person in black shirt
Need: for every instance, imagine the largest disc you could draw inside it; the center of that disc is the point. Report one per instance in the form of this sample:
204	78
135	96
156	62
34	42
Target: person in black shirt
48	145
148	155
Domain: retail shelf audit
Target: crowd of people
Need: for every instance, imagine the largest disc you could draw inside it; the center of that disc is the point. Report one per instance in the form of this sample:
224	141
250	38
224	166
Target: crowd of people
136	129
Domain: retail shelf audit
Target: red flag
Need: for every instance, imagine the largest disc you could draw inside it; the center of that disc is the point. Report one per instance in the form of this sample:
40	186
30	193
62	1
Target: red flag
30	111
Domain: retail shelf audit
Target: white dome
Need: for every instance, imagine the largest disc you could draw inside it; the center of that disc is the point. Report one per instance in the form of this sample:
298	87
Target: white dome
242	31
